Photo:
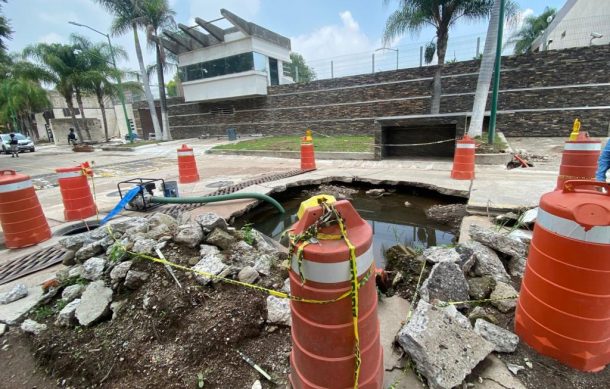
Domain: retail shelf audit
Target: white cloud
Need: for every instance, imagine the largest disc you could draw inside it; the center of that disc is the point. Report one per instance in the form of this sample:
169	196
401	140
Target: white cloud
333	40
52	37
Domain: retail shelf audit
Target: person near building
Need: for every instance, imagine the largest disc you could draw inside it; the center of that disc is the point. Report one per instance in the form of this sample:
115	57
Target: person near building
603	166
14	143
72	137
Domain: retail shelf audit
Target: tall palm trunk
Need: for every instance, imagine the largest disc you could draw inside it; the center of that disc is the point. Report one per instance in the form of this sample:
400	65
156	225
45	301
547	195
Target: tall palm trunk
162	97
149	97
485	73
79	101
441	48
74	121
100	101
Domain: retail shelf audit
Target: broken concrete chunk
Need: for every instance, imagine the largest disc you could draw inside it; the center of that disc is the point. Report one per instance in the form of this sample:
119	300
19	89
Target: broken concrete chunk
481	287
75	242
75	271
524	236
442	347
487	262
68	258
504	297
18	292
119	272
278	311
3	329
72	292
504	341
485	313
32	327
498	241
66	316
93	268
220	238
131	224
144	246
134	279
209	264
94	303
529	217
189	235
248	275
89	250
516	266
161	219
446	282
440	254
209	221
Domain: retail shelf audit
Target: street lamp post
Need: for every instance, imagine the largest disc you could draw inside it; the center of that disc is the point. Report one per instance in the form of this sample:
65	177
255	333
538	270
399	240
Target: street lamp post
491	132
388	48
118	78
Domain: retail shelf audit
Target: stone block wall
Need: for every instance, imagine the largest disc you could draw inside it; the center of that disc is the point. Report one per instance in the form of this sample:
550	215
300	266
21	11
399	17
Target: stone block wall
541	94
61	128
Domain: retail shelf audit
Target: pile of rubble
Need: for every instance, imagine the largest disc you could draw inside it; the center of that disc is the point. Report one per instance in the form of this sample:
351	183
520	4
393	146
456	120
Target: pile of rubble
110	283
466	304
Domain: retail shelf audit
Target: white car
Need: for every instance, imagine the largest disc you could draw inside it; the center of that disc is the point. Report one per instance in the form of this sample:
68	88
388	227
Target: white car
25	143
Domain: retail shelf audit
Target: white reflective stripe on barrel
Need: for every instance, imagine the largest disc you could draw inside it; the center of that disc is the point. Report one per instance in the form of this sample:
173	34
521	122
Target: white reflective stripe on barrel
5	188
570	229
69	174
583	146
464	146
330	273
184	153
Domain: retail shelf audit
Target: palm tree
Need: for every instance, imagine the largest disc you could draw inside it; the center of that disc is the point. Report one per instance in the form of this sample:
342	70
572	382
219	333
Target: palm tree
485	73
158	15
413	15
21	97
128	16
58	63
533	27
5	31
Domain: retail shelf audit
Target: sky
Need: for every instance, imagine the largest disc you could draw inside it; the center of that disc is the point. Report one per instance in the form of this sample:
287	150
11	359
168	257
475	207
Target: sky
345	31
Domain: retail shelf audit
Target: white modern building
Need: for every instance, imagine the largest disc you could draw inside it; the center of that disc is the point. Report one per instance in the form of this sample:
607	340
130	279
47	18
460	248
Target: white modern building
237	62
578	23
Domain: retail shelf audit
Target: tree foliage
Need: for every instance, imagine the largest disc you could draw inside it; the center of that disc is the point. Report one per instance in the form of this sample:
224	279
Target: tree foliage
299	70
5	31
533	27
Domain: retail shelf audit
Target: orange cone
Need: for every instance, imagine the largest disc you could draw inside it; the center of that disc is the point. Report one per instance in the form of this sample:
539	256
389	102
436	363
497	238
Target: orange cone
323	334
564	303
463	159
579	159
187	165
308	159
75	193
23	222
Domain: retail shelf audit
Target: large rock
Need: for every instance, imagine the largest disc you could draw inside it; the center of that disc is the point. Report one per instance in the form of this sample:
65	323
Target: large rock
66	317
72	292
134	279
32	327
144	246
480	287
516	266
94	303
161	232
119	272
131	224
189	235
159	219
212	264
278	311
93	268
18	292
75	242
248	275
220	238
498	241
462	255
446	282
504	297
89	250
504	341
69	258
209	221
487	262
75	271
442	344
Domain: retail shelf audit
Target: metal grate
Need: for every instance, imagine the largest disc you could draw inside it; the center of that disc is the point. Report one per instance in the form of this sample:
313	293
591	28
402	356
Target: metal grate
176	210
30	263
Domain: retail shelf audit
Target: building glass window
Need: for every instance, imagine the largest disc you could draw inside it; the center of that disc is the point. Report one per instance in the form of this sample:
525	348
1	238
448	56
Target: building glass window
218	67
260	62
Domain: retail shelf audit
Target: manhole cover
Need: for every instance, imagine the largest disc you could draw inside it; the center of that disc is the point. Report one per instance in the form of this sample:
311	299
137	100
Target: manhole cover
219	184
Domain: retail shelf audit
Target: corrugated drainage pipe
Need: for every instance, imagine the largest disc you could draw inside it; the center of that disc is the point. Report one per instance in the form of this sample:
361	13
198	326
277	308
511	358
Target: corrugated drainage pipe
215	199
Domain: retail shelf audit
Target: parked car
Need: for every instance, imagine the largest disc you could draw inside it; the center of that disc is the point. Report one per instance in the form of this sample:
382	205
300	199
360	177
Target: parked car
25	143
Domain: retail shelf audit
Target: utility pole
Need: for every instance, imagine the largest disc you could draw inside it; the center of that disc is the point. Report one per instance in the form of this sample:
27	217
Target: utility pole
118	78
491	133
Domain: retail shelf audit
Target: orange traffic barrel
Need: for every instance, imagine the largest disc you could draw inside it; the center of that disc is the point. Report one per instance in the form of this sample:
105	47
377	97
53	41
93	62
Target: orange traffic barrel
564	303
323	338
23	222
579	159
463	159
75	193
308	159
187	166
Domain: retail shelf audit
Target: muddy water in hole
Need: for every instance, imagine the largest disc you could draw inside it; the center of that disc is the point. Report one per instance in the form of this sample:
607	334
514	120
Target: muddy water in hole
391	220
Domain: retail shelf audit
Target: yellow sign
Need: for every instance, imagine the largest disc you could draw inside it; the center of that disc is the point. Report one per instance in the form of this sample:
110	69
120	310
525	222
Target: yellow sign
314	202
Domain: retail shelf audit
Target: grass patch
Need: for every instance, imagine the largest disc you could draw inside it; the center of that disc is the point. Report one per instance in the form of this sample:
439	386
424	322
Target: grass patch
484	148
344	143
